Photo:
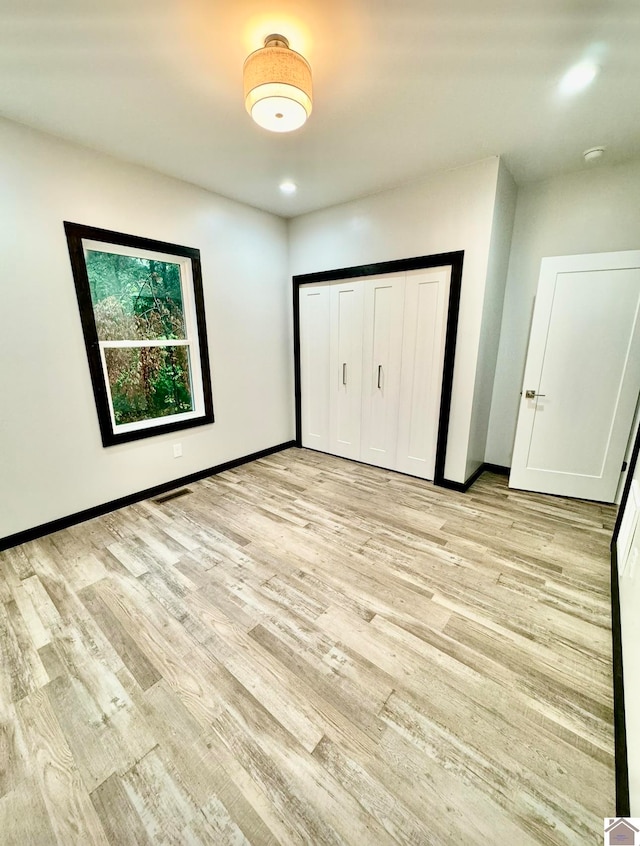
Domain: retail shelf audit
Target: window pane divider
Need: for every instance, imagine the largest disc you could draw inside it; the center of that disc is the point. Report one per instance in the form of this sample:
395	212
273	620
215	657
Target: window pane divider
171	342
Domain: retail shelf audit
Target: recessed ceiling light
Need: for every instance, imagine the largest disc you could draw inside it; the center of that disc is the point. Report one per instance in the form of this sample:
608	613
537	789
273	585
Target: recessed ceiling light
578	77
288	187
593	154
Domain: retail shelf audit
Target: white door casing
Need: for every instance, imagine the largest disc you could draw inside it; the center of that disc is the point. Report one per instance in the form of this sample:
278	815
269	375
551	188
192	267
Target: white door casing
381	359
424	336
583	367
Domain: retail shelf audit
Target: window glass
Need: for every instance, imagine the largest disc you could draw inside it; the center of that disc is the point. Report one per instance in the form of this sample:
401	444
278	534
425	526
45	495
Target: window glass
148	382
135	298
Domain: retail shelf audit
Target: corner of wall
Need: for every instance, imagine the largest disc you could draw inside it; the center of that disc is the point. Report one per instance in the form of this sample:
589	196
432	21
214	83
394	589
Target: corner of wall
496	278
586	211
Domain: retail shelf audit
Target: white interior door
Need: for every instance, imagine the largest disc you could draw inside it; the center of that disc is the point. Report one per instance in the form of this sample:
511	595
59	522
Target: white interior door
345	372
381	355
314	365
424	336
582	376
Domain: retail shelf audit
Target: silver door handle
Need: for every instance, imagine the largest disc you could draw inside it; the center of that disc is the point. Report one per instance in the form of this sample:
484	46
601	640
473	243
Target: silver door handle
379	374
344	373
532	395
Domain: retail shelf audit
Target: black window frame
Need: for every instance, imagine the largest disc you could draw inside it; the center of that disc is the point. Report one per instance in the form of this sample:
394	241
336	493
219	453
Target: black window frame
76	234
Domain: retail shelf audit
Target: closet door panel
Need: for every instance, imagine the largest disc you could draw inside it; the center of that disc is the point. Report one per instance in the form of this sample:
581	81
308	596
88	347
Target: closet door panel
345	379
425	322
382	351
314	365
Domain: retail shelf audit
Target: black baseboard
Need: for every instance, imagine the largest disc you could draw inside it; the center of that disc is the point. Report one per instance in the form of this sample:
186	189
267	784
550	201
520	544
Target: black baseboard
623	808
130	499
500	469
463	487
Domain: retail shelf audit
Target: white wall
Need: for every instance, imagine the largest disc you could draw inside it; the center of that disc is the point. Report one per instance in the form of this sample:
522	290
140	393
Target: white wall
52	462
503	217
591	211
452	211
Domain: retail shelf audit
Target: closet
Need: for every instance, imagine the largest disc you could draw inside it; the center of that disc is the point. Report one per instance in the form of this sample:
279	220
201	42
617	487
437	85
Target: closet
371	366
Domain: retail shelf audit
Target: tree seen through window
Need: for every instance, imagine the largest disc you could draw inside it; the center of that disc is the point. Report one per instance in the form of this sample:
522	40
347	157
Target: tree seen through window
139	317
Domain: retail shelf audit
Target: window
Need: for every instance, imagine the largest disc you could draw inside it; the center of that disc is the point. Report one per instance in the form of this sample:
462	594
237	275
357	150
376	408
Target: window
142	313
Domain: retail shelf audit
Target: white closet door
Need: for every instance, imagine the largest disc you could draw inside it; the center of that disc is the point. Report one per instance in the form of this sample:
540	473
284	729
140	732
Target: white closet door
345	372
314	365
382	352
424	335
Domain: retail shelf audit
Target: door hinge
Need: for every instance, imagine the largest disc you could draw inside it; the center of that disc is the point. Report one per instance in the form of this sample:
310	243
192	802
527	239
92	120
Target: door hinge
624	466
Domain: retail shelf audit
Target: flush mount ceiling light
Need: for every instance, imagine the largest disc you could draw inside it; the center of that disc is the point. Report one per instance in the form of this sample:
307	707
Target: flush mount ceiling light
288	187
277	86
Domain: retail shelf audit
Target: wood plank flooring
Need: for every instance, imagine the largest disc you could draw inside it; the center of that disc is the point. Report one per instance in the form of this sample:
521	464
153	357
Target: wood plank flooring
305	650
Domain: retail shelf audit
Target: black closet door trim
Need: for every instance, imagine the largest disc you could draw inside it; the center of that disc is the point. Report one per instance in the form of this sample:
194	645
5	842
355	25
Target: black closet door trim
455	261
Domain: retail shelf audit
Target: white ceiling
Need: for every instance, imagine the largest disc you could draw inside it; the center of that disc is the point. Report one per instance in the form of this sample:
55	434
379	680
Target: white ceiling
403	88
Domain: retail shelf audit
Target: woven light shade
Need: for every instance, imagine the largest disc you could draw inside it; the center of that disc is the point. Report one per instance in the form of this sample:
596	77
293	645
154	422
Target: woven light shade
277	86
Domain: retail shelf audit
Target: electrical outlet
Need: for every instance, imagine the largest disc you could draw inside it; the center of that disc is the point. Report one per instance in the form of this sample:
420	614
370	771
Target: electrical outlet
177	450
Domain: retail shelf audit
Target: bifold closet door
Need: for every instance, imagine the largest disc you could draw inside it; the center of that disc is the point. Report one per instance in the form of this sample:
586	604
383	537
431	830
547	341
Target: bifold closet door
381	357
345	368
424	334
315	314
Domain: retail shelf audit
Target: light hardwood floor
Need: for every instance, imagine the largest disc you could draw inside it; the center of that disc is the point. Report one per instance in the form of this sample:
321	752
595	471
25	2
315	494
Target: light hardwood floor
305	650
